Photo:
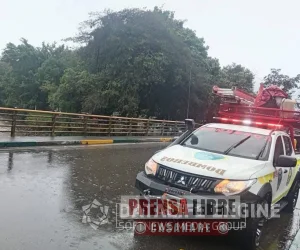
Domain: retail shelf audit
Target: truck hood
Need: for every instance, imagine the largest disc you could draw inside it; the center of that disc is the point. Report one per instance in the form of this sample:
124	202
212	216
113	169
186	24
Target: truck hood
205	163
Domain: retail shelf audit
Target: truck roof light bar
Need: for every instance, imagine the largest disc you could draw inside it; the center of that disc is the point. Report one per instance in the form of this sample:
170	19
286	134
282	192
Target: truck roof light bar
248	122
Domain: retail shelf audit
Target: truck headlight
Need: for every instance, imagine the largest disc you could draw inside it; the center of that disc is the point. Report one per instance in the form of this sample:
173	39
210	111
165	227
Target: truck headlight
228	187
151	167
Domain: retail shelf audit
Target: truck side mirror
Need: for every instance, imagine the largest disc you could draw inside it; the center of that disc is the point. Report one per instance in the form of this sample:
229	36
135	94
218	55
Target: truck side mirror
190	124
190	127
286	161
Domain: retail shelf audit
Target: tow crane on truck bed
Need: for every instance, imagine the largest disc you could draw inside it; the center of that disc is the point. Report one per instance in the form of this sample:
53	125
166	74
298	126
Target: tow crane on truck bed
249	151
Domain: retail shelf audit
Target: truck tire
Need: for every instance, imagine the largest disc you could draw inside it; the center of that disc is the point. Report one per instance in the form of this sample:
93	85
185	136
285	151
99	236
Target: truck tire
292	197
249	238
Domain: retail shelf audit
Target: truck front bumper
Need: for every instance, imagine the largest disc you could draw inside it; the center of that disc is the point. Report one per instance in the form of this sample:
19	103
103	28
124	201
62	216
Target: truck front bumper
149	186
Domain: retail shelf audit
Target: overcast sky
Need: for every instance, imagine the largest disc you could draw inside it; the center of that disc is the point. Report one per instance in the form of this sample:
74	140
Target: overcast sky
259	34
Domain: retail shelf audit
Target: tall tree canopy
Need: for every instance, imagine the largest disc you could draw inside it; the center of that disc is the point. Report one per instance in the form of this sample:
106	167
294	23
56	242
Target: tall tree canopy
237	75
33	73
135	62
146	59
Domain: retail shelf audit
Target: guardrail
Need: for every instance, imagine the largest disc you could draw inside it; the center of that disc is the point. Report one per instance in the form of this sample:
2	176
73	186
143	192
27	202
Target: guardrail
37	122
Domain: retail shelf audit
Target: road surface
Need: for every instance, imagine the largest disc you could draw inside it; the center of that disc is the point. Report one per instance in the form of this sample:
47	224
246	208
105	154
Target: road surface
43	191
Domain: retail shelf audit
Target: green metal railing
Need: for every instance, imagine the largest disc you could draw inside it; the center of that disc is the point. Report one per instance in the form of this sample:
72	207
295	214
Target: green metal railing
37	122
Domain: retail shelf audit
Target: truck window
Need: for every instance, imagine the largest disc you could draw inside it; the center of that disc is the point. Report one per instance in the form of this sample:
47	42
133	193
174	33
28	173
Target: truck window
287	145
278	149
230	142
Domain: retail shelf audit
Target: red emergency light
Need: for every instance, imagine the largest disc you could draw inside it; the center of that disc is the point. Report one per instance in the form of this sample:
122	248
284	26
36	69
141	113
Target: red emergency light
248	122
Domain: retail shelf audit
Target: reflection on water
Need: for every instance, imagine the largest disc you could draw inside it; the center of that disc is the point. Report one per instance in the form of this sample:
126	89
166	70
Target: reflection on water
53	185
50	156
10	161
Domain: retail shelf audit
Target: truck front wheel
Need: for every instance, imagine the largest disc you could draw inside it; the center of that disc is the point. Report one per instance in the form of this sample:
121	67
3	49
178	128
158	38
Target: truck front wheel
250	236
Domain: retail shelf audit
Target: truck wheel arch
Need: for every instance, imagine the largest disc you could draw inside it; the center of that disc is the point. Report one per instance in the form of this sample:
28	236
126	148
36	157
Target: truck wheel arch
265	189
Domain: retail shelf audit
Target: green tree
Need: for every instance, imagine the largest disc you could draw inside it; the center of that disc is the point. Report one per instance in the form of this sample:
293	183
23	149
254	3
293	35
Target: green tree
24	61
34	73
51	71
235	75
135	62
70	93
5	81
286	83
148	59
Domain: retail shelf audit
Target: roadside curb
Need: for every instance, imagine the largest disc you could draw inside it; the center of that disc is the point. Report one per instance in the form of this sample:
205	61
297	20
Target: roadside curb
80	142
125	140
296	242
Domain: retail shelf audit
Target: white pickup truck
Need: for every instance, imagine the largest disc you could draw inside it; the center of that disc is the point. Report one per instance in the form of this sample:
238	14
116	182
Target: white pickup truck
258	164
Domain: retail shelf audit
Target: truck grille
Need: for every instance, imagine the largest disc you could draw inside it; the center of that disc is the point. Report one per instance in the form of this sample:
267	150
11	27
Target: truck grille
185	180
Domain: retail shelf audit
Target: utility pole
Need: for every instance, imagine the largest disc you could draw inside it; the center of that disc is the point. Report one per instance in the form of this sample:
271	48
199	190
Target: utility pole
188	104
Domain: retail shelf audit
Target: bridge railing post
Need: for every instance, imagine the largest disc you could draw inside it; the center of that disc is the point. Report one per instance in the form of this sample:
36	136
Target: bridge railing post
163	128
13	123
147	128
109	126
129	131
53	124
85	119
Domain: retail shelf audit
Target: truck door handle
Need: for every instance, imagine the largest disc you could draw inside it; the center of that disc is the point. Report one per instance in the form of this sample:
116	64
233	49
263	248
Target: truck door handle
285	171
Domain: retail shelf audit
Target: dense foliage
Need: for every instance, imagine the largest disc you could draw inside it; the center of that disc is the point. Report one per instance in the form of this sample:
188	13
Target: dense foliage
134	62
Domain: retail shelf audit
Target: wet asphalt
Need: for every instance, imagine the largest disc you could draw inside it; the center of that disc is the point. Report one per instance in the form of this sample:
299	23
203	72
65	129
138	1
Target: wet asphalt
43	190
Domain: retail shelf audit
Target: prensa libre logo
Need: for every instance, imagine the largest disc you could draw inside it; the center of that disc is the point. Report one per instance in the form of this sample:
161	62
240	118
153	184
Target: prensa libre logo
95	214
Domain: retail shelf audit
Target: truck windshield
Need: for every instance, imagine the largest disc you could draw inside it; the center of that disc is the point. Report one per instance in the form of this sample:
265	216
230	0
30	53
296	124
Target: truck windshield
230	142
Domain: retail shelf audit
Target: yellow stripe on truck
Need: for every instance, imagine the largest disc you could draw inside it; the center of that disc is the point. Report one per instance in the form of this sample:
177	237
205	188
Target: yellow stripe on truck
266	178
94	142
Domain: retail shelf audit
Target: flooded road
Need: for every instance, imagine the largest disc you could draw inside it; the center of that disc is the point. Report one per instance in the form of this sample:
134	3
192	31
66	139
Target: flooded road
43	191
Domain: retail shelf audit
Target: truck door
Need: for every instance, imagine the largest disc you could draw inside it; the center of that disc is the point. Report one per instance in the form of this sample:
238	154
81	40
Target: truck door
278	185
287	172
